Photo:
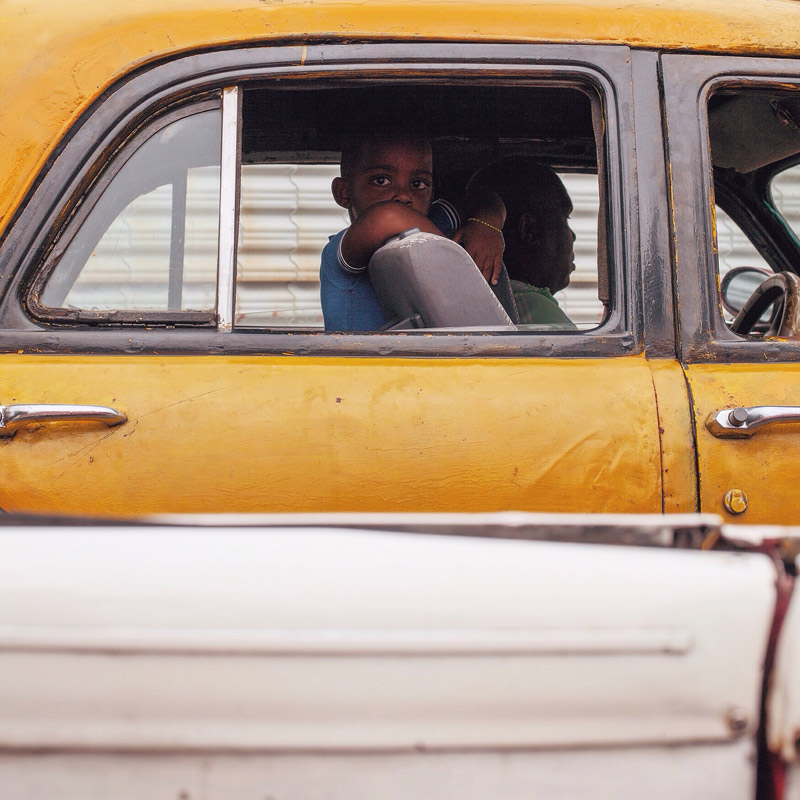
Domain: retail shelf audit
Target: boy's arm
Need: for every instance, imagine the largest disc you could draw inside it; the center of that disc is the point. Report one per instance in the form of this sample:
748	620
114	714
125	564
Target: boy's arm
481	233
371	229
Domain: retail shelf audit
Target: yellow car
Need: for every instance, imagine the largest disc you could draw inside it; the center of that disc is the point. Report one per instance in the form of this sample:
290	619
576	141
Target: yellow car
165	173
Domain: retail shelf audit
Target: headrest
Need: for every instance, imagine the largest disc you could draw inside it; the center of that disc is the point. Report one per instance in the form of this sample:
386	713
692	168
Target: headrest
429	281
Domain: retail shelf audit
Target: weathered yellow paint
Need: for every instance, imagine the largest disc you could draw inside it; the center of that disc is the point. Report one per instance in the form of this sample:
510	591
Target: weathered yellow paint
765	467
678	464
216	434
59	56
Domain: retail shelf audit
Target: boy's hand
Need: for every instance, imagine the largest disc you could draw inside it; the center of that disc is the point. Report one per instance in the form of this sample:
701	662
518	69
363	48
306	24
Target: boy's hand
485	245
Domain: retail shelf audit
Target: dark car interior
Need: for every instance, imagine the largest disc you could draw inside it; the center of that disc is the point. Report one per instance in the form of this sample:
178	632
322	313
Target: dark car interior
754	137
470	126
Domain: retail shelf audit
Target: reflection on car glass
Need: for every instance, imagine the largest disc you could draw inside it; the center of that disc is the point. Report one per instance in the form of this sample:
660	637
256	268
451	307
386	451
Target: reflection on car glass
150	240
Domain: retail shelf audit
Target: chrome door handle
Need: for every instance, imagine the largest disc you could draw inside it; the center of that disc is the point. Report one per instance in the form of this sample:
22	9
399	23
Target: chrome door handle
742	423
12	418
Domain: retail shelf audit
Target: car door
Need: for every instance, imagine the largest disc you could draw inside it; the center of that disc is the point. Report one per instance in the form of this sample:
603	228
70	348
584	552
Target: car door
312	661
747	473
222	416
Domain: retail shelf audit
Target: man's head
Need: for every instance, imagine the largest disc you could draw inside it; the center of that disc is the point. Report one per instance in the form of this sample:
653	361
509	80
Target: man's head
390	163
539	241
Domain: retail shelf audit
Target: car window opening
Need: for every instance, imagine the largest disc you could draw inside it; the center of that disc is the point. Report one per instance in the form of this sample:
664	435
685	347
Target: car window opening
291	145
143	247
754	137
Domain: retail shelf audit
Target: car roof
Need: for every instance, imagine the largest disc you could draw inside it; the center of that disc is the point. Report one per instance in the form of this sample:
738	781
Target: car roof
62	56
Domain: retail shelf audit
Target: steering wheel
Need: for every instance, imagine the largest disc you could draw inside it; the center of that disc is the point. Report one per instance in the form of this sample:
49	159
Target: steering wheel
783	289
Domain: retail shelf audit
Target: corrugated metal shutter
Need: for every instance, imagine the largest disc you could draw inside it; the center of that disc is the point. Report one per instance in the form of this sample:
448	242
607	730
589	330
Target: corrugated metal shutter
579	300
288	214
735	249
786	196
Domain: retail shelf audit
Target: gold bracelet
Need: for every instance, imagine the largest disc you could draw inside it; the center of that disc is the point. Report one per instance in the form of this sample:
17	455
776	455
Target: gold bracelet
487	224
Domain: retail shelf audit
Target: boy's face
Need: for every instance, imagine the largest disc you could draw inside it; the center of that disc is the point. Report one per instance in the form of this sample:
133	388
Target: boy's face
399	170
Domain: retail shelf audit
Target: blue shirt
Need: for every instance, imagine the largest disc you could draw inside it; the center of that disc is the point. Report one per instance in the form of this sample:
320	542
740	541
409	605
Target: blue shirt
348	300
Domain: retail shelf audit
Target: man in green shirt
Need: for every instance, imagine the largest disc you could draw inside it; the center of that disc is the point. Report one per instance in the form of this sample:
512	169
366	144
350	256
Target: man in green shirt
539	253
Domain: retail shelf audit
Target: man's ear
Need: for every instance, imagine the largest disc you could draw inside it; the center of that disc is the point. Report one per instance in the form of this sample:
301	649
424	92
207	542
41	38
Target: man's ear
340	189
526	228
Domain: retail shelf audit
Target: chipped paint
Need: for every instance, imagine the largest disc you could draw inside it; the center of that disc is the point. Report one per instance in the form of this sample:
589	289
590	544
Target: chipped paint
678	467
420	434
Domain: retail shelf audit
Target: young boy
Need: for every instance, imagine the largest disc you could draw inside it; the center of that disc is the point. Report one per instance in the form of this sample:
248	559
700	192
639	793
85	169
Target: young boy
386	184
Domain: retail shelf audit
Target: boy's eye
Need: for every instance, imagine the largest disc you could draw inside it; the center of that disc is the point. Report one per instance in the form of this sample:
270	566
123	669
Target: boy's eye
380	180
419	183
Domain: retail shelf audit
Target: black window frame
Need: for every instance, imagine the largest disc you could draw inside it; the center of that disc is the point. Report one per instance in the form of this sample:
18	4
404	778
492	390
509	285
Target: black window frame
102	130
689	81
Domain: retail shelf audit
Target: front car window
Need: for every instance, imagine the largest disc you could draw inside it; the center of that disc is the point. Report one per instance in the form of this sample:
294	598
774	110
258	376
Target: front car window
754	146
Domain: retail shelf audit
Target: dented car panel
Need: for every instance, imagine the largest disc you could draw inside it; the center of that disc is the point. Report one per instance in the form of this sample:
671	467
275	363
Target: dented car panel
228	659
760	466
783	730
330	439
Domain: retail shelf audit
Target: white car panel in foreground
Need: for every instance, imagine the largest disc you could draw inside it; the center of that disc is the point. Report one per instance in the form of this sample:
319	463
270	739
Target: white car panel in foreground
374	663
